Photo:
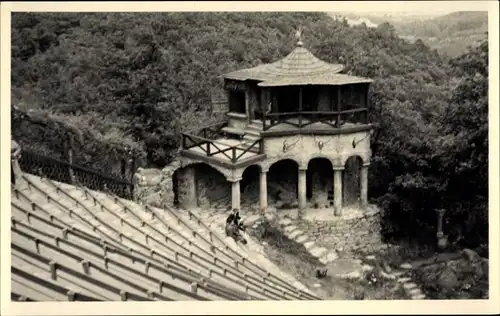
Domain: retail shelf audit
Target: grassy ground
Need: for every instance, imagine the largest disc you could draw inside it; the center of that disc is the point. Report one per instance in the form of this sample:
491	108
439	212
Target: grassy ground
294	259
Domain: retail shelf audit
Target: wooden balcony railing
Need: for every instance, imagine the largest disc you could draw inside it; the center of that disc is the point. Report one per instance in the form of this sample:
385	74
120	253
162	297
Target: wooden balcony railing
302	119
210	132
212	147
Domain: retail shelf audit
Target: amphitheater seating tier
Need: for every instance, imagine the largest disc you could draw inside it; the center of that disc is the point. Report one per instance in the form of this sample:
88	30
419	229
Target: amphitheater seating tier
73	244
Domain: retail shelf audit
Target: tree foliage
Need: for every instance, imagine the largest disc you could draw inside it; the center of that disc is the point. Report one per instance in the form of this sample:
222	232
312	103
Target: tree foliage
140	79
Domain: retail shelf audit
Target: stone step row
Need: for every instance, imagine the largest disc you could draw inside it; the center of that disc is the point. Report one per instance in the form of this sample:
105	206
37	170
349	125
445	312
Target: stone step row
325	257
401	276
294	233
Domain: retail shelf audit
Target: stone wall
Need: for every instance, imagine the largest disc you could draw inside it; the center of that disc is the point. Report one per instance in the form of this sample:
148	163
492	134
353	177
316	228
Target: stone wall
303	148
195	185
351	232
212	187
155	186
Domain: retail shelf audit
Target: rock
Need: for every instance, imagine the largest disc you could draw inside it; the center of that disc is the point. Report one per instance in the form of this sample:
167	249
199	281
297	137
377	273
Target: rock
351	275
447	279
409	285
406	266
414	292
270	216
290	228
318	252
404	280
418	297
316	285
285	222
294	234
331	256
387	276
367	267
301	239
323	260
485	267
250	220
397	273
471	255
386	267
309	244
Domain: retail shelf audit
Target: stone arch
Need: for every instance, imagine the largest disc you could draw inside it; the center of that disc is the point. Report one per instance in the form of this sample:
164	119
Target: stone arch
266	165
201	185
316	156
249	187
319	181
282	183
363	156
351	181
226	172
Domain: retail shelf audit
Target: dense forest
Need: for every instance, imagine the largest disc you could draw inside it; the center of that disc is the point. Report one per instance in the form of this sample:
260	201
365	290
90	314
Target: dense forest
136	81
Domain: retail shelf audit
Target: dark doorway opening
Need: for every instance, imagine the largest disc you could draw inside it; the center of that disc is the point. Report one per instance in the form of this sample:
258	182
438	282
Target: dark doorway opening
237	102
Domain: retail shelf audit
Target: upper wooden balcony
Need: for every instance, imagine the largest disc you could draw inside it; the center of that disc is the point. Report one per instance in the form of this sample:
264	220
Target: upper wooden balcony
212	145
315	122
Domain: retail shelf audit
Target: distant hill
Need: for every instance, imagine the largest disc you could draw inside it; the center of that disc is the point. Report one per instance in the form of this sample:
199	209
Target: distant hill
450	34
375	18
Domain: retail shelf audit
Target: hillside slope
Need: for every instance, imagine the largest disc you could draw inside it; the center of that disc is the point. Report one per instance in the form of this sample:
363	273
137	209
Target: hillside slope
127	76
141	79
450	33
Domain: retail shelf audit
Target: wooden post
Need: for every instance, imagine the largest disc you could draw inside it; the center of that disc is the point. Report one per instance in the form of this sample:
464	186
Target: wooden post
367	100
233	151
123	167
332	100
300	107
338	106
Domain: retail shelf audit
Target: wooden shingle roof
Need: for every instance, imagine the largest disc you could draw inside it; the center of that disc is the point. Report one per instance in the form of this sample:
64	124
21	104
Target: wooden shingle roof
300	67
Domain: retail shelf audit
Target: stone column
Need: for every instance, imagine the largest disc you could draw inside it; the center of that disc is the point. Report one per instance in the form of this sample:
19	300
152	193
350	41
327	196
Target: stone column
337	190
442	240
363	182
235	194
247	101
263	190
187	188
302	188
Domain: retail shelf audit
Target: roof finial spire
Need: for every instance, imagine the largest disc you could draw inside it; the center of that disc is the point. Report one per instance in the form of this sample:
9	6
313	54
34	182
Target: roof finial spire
298	34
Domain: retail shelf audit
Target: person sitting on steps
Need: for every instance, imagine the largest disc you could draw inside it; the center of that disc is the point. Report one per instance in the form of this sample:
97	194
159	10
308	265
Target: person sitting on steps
233	226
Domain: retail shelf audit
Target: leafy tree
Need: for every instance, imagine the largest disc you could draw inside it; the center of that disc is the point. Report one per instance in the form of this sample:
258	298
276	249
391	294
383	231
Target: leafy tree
135	81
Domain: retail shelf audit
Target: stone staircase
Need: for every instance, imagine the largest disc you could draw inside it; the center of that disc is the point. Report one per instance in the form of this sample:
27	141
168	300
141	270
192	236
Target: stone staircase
325	256
248	135
294	233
